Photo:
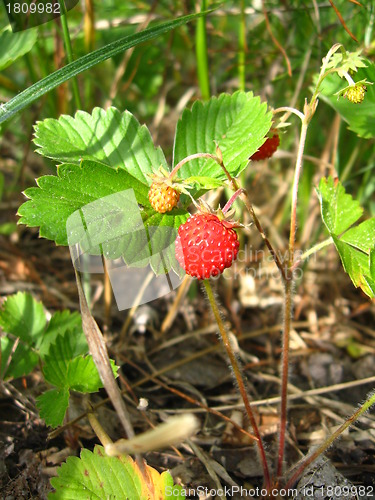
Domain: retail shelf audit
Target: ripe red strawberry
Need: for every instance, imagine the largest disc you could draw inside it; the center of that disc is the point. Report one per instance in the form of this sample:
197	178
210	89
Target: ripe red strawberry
162	197
267	149
206	245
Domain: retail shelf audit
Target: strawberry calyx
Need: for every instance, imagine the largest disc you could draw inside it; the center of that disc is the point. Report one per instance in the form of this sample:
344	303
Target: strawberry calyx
225	217
355	91
163	178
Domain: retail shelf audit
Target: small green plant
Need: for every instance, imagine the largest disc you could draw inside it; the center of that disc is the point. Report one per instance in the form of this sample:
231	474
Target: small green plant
58	345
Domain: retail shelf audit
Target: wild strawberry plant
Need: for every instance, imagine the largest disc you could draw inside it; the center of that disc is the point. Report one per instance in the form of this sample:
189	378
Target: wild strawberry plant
109	152
58	345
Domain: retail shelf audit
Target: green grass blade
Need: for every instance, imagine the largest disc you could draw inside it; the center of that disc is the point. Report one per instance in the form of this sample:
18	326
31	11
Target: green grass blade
201	55
37	90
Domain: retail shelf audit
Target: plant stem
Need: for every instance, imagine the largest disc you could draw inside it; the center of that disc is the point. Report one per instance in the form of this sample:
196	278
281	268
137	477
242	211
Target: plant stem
69	51
240	381
201	54
316	248
288	295
98	429
242	49
284	375
246	200
195	156
328	442
288	110
232	199
297	173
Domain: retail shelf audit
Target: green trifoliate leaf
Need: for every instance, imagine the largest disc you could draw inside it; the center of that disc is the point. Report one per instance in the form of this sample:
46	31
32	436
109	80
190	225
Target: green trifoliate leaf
238	123
356	246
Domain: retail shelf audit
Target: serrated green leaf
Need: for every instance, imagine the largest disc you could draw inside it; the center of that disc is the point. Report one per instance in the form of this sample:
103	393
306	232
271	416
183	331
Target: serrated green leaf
15	45
361	237
65	365
360	117
107	136
57	360
22	316
61	322
339	210
357	264
355	245
237	122
34	92
82	374
96	475
23	359
97	207
52	406
74	187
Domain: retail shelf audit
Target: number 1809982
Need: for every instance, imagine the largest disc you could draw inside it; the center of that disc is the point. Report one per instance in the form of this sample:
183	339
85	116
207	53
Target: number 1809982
33	8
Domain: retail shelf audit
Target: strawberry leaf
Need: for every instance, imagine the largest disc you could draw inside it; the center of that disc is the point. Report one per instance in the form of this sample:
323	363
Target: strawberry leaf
74	187
15	45
359	117
22	358
106	136
22	317
237	122
82	374
339	210
61	322
97	207
52	406
96	475
356	246
65	365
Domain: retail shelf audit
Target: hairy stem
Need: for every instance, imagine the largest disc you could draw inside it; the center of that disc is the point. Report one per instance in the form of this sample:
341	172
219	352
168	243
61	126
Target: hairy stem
370	401
240	381
288	301
195	156
316	248
243	194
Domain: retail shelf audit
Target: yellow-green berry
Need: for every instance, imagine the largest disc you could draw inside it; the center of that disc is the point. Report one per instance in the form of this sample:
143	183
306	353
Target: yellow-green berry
356	94
163	198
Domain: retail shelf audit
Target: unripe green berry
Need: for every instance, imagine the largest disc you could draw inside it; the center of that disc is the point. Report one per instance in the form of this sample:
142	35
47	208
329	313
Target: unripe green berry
356	94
